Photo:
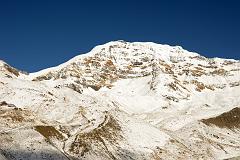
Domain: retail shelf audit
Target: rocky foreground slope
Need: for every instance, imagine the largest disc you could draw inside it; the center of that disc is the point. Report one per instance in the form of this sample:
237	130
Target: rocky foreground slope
123	101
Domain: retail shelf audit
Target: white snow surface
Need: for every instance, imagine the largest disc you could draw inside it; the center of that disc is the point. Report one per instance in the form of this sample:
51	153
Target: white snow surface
121	100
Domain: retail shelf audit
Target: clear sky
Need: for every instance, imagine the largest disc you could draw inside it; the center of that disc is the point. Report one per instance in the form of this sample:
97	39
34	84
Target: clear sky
36	34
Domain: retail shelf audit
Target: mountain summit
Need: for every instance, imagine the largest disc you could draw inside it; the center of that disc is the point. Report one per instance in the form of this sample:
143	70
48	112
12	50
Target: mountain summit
123	100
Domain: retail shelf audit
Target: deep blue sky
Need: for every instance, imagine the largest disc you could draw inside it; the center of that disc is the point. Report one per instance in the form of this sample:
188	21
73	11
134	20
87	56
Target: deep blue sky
36	34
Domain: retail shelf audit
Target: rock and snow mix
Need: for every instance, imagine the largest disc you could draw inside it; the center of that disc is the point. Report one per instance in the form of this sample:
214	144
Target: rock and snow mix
123	101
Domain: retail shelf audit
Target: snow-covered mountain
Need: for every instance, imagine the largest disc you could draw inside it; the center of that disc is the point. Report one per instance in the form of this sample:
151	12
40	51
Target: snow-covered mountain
123	101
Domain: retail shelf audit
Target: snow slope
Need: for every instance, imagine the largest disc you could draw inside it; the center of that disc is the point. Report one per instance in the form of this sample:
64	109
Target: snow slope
123	100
